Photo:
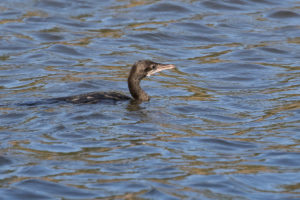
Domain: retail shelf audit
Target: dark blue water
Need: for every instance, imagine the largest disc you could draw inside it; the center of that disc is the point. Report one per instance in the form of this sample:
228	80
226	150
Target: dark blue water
223	125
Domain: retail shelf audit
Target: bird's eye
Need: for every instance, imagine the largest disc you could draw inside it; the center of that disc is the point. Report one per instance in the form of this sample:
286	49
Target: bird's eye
151	67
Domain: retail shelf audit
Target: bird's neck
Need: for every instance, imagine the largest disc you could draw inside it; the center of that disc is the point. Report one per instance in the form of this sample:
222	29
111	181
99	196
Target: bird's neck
136	91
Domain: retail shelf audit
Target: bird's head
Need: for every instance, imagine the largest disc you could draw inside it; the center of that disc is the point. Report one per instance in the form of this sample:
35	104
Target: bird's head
144	68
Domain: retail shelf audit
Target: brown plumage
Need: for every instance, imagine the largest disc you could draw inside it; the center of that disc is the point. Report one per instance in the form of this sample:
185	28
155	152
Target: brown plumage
139	70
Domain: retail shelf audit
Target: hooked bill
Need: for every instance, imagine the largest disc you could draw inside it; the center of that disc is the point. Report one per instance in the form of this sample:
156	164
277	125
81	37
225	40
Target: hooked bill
160	67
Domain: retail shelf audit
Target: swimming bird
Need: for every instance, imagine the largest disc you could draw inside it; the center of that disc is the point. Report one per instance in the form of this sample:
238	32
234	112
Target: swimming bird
139	70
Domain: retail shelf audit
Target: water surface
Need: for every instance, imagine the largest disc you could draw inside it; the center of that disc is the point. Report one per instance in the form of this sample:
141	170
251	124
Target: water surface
223	125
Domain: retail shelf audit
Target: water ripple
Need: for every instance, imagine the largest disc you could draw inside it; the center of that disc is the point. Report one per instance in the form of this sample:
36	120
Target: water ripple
223	125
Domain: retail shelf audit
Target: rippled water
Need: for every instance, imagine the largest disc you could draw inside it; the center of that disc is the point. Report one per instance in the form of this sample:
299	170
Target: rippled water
223	125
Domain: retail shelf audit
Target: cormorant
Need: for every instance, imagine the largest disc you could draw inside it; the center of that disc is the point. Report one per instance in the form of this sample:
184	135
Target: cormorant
139	70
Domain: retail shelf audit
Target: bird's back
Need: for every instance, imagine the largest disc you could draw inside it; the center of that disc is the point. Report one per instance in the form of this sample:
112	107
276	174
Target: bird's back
94	97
